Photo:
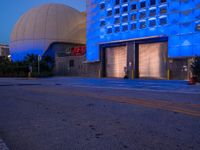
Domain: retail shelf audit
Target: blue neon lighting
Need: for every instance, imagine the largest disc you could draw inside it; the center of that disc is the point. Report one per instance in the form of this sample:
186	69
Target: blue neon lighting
178	20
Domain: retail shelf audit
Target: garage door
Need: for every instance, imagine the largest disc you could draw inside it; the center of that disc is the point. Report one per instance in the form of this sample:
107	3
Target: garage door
116	60
153	60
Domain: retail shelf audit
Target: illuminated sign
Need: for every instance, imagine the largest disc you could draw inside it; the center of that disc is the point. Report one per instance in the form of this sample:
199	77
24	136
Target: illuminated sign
75	51
78	51
68	51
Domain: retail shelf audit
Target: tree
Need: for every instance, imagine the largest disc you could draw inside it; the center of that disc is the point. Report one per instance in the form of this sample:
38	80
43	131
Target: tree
4	60
21	68
47	64
195	68
31	59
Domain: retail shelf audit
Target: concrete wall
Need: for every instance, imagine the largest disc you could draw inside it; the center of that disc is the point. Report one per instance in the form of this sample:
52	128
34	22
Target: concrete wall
80	67
179	68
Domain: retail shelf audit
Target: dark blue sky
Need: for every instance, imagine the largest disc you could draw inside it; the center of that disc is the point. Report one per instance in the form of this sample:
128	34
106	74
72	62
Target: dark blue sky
11	10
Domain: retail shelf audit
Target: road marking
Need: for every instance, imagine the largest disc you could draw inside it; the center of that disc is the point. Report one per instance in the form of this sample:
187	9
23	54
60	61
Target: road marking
183	108
133	89
3	146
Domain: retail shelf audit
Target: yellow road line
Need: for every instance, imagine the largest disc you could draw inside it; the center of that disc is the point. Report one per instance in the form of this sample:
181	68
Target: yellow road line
184	108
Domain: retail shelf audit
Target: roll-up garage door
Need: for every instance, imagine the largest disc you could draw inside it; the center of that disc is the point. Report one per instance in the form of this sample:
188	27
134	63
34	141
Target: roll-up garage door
153	60
116	61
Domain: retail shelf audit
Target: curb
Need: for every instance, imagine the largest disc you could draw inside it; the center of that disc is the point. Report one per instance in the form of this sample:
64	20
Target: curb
3	145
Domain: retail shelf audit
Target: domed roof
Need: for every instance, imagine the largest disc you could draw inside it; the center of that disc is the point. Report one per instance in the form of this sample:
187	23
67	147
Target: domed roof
49	23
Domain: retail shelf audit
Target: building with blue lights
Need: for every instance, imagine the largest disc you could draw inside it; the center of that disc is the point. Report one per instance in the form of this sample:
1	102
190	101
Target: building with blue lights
143	38
46	30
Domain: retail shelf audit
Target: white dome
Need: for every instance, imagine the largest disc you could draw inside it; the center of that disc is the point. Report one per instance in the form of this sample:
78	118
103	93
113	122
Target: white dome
44	25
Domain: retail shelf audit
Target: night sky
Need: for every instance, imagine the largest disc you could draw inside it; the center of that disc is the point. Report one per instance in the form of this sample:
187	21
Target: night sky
11	10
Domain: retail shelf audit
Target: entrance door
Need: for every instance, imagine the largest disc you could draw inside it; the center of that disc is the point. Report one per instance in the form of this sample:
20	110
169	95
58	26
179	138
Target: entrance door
179	69
116	61
153	60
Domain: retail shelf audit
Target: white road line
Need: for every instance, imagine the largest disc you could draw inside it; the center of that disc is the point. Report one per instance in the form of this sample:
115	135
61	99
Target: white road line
135	89
3	146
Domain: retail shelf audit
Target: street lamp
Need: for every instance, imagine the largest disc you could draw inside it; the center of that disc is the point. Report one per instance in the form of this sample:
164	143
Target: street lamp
9	57
39	59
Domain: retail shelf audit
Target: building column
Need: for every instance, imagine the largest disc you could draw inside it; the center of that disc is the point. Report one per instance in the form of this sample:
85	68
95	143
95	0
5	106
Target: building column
136	60
102	67
130	59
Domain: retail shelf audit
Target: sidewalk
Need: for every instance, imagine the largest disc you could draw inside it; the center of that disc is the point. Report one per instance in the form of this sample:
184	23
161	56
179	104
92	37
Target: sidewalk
3	145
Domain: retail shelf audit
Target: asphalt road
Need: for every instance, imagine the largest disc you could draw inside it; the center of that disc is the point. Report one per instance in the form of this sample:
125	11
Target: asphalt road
99	114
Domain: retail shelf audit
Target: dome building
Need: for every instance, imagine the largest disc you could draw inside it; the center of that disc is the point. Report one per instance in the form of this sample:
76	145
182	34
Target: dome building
47	29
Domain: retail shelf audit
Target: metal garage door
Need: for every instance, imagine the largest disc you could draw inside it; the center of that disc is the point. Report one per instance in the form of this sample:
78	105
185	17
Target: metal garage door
116	61
153	60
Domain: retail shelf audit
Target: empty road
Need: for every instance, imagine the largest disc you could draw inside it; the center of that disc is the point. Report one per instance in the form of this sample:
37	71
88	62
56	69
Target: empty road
99	114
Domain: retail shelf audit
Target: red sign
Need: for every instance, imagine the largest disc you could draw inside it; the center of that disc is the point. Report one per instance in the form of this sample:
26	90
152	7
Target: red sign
78	51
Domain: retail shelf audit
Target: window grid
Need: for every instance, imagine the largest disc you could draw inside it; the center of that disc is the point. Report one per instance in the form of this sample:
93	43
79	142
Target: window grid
128	11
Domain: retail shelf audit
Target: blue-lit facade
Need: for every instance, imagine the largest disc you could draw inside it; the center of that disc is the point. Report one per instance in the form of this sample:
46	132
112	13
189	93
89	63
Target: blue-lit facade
111	21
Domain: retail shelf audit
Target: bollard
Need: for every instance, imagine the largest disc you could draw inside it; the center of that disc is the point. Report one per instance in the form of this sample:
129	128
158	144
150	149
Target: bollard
133	75
168	74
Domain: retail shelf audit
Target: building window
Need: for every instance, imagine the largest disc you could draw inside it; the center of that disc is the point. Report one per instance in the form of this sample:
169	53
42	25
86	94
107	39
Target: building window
163	21
152	13
117	29
109	30
163	10
109	13
133	7
143	4
102	6
133	17
117	20
125	1
117	11
125	9
133	26
197	26
152	23
125	28
142	25
152	2
117	2
71	63
163	1
142	15
102	23
125	19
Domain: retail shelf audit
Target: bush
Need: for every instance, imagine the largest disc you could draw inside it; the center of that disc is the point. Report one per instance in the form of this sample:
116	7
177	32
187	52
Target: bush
195	68
20	69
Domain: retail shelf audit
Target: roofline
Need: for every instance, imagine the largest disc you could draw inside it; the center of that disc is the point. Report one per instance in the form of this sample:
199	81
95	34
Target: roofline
132	39
6	45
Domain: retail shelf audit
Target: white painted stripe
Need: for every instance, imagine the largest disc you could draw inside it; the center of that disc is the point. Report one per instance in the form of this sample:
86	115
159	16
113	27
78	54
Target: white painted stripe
3	145
135	89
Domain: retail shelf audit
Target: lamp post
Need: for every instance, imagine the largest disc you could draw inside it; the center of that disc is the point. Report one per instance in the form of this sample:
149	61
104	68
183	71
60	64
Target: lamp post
9	57
39	59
